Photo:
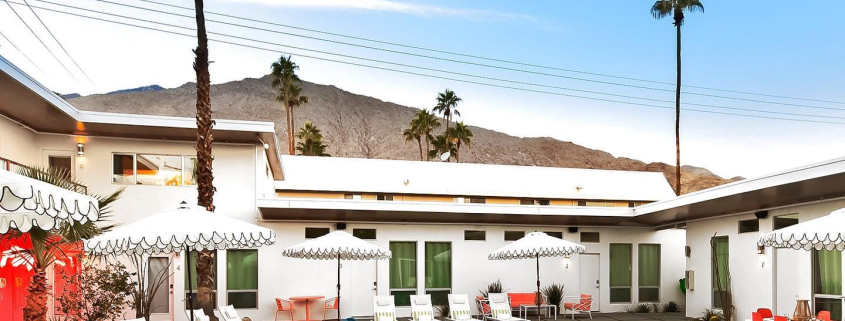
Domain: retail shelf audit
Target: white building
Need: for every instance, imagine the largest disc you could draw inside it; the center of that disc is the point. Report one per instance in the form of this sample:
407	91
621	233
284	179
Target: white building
633	226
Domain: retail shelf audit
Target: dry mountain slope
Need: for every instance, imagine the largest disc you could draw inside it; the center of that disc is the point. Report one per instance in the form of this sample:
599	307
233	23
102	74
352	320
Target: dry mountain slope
360	126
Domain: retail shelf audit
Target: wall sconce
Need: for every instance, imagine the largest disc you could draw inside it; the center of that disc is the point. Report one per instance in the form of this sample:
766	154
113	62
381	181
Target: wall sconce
566	261
761	249
80	149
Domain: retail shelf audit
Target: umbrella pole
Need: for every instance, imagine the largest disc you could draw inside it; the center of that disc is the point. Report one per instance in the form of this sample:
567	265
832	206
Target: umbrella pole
538	288
190	288
338	287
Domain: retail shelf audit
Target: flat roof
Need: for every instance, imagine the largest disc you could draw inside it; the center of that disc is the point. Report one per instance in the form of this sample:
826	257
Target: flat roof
26	101
339	174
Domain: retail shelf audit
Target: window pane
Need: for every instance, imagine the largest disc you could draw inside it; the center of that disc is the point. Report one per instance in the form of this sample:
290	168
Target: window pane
514	235
315	232
827	272
649	265
620	265
242	270
364	233
589	237
63	164
439	297
829	304
158	275
526	202
649	294
122	169
190	171
403	265
749	226
721	255
555	234
159	170
438	265
785	221
477	200
402	298
474	235
243	300
622	295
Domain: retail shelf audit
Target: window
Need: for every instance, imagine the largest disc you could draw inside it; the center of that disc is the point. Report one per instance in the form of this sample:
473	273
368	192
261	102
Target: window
347	196
64	164
315	232
470	235
555	234
514	235
438	271
720	250
631	204
193	284
403	272
648	257
384	197
749	226
785	221
157	170
477	200
543	202
620	273
582	203
827	282
526	202
158	275
596	203
364	233
242	278
590	237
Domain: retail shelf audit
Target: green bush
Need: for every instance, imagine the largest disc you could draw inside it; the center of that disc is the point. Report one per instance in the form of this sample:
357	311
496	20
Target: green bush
672	306
639	308
711	315
554	293
495	287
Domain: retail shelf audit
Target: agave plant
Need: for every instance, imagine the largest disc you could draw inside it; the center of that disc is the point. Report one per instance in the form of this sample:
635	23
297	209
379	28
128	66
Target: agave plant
554	293
672	306
495	287
711	315
639	308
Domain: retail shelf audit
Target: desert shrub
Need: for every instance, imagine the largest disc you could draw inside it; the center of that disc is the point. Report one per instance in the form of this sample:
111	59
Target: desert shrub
96	293
554	293
711	315
495	287
672	306
639	308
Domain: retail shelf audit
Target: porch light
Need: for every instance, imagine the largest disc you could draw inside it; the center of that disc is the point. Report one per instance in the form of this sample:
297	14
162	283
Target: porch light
80	149
566	261
761	249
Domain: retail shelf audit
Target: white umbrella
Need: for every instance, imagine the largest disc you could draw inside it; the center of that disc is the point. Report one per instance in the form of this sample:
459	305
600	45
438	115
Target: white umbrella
27	203
183	228
826	232
534	246
337	245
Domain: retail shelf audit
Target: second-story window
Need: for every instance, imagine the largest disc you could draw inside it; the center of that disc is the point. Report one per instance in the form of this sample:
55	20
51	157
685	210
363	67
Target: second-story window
477	200
157	170
384	197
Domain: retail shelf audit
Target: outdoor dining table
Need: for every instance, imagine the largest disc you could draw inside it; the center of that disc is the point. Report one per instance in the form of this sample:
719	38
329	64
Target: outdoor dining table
305	299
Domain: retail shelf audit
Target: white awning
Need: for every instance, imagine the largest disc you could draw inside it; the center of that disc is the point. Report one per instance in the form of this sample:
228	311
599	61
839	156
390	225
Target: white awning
27	202
337	244
536	245
826	232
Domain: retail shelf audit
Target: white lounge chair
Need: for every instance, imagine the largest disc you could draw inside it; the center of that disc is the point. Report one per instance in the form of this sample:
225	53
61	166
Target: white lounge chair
459	308
228	313
421	308
199	315
384	309
500	308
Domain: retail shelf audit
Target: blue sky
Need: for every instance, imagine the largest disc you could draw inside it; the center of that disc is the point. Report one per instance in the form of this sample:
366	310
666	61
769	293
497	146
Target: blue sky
779	48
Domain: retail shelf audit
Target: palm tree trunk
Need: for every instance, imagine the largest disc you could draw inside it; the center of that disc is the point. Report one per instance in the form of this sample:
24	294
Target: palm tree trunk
205	178
419	142
678	115
292	129
458	152
36	299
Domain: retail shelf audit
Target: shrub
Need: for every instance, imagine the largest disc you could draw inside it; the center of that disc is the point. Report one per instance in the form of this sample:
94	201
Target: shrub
98	293
554	293
672	306
639	308
443	310
711	315
495	287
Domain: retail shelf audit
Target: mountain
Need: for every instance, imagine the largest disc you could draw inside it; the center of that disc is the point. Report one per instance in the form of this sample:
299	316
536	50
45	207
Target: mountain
137	90
70	96
359	126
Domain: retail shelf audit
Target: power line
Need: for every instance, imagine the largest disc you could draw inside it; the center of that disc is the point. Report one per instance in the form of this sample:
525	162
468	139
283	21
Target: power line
41	41
435	76
21	52
483	57
451	72
58	42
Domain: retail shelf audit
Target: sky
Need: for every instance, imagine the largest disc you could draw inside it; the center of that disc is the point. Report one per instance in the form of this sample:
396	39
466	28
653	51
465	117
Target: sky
779	49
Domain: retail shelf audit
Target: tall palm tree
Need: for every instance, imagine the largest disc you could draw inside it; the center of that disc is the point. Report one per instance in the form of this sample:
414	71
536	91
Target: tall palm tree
442	144
413	133
310	141
427	122
50	246
459	135
205	178
447	104
285	81
676	8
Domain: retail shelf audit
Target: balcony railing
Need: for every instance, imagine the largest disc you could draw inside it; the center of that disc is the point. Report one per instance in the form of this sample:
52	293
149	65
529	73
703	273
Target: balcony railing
15	167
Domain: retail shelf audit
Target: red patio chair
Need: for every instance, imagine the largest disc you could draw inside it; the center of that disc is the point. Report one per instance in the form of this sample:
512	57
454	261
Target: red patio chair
781	318
824	315
583	304
330	304
756	316
765	313
283	305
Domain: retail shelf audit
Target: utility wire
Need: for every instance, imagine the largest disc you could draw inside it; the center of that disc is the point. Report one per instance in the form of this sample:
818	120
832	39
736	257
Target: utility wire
22	53
453	72
58	42
41	41
486	58
433	76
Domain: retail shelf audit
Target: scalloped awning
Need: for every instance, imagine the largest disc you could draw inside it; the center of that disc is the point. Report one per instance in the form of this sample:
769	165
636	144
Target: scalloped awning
534	245
26	203
337	244
826	232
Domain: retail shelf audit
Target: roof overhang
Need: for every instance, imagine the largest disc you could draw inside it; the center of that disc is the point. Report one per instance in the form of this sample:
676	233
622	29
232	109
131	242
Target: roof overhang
288	209
26	101
810	183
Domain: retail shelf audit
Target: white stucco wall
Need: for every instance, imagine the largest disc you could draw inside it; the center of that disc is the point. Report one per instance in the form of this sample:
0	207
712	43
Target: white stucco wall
770	280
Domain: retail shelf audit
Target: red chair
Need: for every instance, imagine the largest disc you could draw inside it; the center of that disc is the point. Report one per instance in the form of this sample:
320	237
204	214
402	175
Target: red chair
582	304
756	316
824	315
781	318
283	305
765	313
330	304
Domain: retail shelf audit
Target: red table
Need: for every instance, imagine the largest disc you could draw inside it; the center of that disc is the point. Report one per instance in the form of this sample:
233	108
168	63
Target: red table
305	299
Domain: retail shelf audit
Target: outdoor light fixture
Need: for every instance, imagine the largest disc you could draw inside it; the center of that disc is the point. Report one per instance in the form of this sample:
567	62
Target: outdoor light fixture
761	250
566	261
80	149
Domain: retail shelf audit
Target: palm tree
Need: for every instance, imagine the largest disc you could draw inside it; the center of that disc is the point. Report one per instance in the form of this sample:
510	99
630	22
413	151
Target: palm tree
459	135
447	104
427	122
285	80
50	246
676	8
442	145
310	141
412	133
205	178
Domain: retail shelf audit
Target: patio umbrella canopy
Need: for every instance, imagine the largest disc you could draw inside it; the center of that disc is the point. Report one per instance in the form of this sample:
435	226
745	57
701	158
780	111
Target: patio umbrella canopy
26	203
184	228
337	245
823	233
535	245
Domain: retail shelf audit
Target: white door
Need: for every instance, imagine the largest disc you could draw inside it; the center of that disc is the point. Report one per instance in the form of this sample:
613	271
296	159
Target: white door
590	277
160	269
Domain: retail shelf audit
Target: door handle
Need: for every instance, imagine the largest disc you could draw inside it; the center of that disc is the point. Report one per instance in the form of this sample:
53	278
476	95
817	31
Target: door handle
597	284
